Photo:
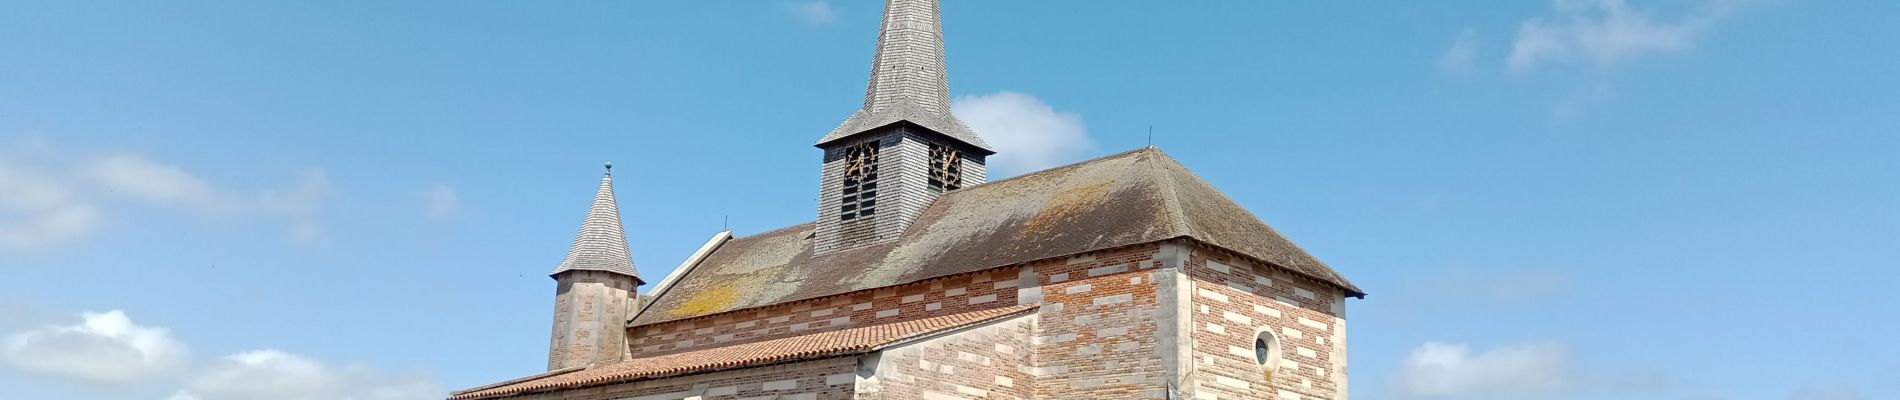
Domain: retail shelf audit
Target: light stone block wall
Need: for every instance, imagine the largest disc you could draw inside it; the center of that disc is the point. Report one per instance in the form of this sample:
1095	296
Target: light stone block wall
590	312
1233	299
1099	335
986	362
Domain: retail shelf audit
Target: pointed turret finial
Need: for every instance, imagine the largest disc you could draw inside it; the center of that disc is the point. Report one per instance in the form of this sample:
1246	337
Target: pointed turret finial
610	168
908	78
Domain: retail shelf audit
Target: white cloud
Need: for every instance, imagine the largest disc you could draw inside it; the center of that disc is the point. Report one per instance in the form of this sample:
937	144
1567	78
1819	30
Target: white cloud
164	184
1604	32
108	349
817	12
135	176
307	233
1461	59
104	348
1028	134
300	202
301	199
56	200
278	375
1440	370
37	212
439	202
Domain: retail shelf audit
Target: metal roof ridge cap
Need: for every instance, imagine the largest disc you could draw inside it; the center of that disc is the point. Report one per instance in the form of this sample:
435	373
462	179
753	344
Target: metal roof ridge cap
718	240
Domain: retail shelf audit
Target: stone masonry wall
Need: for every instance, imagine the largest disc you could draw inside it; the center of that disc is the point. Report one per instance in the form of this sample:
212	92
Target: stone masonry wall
942	296
1233	299
589	310
826	379
988	362
1098	333
1131	322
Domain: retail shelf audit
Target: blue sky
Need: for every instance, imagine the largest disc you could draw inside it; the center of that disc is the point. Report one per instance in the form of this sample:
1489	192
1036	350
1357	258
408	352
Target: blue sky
1578	199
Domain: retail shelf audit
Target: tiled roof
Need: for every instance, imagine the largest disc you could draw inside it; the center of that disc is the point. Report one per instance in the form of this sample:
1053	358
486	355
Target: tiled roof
1135	197
908	79
810	346
601	245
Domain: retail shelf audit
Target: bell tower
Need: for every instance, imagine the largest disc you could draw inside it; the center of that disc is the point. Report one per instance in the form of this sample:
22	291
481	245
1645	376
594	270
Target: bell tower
903	148
595	289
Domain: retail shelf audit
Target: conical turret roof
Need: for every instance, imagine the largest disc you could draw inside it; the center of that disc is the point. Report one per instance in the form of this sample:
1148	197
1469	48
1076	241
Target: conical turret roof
601	244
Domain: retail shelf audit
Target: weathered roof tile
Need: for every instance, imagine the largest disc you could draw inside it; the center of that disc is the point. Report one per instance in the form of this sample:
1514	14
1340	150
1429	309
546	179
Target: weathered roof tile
1135	197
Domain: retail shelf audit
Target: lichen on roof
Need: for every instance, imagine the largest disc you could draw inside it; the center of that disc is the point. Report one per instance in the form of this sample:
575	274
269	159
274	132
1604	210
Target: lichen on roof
1130	198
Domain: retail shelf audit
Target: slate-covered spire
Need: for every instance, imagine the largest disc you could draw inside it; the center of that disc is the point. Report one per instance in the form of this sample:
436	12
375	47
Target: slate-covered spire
601	244
908	81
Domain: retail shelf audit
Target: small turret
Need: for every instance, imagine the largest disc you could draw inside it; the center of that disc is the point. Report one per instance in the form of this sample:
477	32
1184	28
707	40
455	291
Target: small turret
596	288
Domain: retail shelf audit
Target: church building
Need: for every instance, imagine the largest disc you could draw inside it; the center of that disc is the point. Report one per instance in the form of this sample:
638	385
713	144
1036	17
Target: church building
1122	277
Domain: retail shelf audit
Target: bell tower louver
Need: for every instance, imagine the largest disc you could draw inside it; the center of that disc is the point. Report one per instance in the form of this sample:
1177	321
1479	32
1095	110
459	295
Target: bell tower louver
904	147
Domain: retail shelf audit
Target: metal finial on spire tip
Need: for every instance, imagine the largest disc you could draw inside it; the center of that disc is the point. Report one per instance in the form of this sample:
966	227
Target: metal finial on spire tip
610	168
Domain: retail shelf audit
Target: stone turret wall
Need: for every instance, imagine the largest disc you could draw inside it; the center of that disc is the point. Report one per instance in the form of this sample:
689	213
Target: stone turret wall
590	310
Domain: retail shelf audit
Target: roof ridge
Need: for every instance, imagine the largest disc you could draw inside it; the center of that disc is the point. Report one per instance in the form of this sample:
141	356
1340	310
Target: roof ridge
1173	190
1171	195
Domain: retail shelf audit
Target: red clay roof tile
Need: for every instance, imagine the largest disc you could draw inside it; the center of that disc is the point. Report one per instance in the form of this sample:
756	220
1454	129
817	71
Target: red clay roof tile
815	345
